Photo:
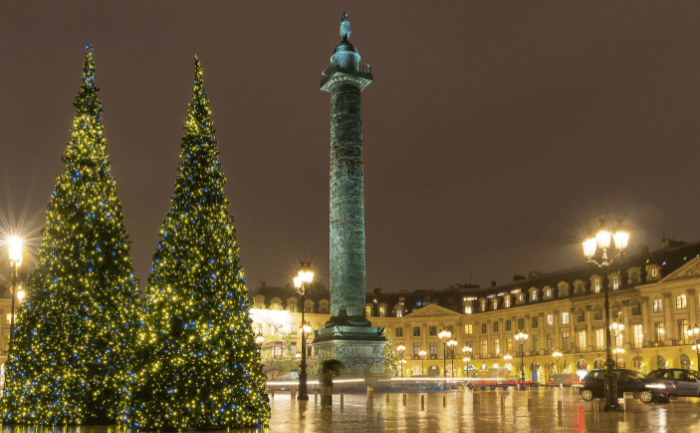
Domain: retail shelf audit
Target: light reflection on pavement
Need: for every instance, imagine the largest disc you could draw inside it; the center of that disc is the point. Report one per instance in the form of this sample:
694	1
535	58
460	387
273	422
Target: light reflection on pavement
497	411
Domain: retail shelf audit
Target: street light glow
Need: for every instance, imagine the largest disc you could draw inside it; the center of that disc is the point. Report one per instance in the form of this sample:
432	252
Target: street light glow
14	249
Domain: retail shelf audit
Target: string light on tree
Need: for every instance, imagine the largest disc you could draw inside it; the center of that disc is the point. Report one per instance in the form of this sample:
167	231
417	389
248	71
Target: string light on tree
202	367
77	325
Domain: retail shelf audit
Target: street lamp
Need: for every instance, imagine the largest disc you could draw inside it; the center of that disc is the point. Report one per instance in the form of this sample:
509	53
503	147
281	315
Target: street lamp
556	356
452	344
694	334
14	249
422	355
467	350
444	336
259	340
466	360
617	352
304	278
616	329
400	348
521	337
596	251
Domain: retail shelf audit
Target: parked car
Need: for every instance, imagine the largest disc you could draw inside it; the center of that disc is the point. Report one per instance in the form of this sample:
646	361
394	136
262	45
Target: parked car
627	381
679	382
564	379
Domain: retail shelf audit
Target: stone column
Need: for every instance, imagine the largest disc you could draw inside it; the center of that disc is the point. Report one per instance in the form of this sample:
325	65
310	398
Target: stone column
692	309
590	337
647	328
627	334
669	326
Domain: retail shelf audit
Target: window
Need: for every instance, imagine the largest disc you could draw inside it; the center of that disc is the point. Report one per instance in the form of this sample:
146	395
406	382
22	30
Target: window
634	277
638	336
550	319
534	321
495	326
534	296
636	309
496	347
509	345
600	339
579	288
432	330
467	310
565	318
416	331
617	339
508	325
520	298
550	342
506	302
368	311
521	324
433	349
581	316
598	314
564	341
495	303
581	340
615	282
293	349
468	329
416	350
483	328
450	328
483	305
563	290
484	347
548	293
658	332
596	286
654	272
682	328
399	332
535	343
382	311
680	302
658	305
399	312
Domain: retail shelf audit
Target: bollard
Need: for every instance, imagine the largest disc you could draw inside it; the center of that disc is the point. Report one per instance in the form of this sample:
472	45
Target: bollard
529	405
370	393
422	402
272	395
560	405
387	397
293	392
342	398
404	399
444	401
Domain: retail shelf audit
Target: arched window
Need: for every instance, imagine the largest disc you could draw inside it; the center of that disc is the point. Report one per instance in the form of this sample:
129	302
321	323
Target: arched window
685	361
599	363
660	362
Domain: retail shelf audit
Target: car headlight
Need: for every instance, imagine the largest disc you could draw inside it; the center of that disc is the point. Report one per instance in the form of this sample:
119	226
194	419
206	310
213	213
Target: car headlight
655	385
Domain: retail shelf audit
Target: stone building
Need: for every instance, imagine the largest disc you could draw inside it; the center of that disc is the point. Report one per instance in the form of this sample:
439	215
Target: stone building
655	295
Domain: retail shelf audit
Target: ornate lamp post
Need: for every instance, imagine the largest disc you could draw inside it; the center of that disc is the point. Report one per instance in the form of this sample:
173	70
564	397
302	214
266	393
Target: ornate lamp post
556	356
521	337
422	355
694	334
14	249
452	344
467	350
301	282
400	348
444	336
596	251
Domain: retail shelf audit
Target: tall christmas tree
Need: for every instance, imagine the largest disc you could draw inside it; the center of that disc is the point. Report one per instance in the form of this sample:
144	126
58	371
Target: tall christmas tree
79	321
203	369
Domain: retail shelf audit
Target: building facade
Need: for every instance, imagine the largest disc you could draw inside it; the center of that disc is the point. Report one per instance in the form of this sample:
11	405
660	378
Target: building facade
654	295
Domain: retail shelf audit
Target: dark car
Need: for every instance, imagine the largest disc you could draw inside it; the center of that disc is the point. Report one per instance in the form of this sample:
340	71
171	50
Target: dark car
627	381
679	382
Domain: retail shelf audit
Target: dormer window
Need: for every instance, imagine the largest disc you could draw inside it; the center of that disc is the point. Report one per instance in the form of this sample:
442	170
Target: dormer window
534	296
506	302
467	310
563	290
520	298
615	282
597	286
548	293
654	272
483	305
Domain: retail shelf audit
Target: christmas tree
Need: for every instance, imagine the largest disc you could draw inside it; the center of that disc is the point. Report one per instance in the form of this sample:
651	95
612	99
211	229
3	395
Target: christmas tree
391	367
203	368
74	332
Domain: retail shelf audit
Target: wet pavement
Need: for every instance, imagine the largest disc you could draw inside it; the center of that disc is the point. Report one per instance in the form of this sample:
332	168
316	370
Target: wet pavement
495	411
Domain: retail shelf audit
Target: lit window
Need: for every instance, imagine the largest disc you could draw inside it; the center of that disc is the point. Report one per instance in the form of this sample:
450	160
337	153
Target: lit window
565	318
496	347
368	311
596	286
680	302
638	336
468	329
654	272
658	305
534	296
550	319
495	304
483	305
506	302
467	310
549	293
600	339
382	311
520	298
615	283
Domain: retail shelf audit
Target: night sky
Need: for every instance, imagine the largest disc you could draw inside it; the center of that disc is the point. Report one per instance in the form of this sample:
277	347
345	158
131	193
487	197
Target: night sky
495	133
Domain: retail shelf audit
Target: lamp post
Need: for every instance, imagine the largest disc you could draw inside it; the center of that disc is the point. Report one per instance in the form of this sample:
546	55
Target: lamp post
596	251
617	352
694	334
467	350
400	348
507	359
452	343
444	336
521	337
556	356
422	355
14	249
304	277
616	331
259	340
466	360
